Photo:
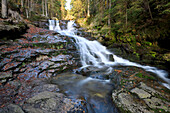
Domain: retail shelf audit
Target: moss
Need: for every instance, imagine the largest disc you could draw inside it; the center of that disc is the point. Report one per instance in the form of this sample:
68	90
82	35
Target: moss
140	75
159	111
122	110
158	96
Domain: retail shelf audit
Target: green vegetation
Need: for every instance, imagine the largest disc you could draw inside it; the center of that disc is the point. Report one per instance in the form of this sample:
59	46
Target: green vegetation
139	27
140	75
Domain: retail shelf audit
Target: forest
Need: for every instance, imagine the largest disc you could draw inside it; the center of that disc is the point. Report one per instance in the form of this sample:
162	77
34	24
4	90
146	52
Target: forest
84	56
140	27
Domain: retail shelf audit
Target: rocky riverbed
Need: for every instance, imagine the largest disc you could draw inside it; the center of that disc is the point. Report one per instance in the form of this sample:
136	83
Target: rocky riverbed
27	63
33	70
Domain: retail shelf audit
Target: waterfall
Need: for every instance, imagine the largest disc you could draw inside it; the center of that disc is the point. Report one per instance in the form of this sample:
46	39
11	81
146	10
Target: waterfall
92	53
54	25
57	27
51	24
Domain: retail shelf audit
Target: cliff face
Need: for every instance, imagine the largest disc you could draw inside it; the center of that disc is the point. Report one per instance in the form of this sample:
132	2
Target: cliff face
13	26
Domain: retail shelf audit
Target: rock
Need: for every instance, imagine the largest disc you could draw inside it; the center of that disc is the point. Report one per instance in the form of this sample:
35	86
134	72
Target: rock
11	65
166	56
42	58
12	31
12	108
156	103
141	93
15	84
42	96
141	98
44	87
127	103
51	102
148	89
4	76
111	58
30	109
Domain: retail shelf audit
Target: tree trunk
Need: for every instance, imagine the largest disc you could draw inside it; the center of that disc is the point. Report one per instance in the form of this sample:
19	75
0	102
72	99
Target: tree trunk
31	5
43	7
4	10
109	17
22	3
88	10
62	9
27	8
126	16
27	13
46	8
52	8
149	10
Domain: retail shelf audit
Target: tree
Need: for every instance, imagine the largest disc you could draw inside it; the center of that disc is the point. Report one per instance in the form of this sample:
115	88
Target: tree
46	8
4	10
88	9
43	7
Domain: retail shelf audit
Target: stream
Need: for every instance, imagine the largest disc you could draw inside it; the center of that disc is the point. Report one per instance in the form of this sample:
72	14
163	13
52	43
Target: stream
63	69
96	63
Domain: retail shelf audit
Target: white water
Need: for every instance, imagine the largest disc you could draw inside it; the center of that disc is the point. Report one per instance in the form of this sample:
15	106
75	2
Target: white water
54	25
92	53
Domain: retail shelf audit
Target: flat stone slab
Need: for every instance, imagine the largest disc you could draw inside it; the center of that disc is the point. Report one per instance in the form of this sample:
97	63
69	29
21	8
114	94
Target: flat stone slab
141	98
157	103
42	96
141	93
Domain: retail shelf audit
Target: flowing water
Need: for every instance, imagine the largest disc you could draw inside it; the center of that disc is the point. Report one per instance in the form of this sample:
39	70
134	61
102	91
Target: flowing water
93	55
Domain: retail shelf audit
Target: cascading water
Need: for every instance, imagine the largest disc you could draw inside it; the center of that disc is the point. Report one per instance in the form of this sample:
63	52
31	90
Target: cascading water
51	24
92	53
54	25
57	27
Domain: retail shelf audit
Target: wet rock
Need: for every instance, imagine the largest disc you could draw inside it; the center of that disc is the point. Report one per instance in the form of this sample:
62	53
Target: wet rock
49	102
46	64
41	58
141	98
127	103
12	31
42	96
15	84
111	58
4	62
148	89
93	70
44	87
11	108
60	58
4	76
11	65
30	109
